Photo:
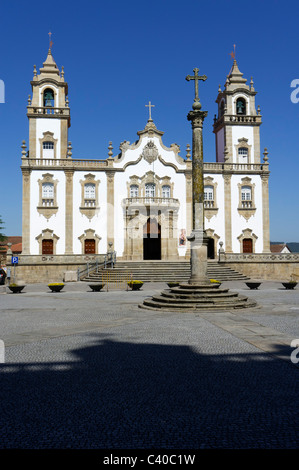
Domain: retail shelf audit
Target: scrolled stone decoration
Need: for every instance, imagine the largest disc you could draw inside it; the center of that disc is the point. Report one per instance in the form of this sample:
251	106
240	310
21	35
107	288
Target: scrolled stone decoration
150	152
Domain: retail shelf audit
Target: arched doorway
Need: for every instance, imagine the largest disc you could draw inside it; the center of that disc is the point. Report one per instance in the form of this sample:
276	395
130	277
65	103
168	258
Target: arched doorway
211	248
151	239
247	245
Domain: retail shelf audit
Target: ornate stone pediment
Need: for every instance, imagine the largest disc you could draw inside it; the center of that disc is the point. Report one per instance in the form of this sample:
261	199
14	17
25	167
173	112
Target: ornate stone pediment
150	152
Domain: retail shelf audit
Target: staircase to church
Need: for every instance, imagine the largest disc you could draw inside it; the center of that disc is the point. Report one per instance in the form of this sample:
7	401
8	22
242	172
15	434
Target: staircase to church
162	271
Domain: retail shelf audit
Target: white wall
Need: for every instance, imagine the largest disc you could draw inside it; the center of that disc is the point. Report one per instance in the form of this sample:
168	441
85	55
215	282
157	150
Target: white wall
50	125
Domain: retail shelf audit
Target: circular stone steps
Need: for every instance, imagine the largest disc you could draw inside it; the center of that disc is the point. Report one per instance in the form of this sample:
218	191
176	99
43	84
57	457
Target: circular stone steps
190	297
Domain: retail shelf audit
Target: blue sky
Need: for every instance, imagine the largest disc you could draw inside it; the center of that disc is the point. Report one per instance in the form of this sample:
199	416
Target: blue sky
119	55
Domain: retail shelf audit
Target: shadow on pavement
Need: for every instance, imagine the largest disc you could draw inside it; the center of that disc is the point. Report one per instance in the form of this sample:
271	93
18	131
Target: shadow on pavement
145	396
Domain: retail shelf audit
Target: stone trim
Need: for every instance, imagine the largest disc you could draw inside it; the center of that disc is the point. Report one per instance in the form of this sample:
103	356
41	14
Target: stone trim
266	219
89	210
110	206
243	143
48	137
247	233
26	172
47	210
69	211
248	211
47	234
211	209
89	234
227	213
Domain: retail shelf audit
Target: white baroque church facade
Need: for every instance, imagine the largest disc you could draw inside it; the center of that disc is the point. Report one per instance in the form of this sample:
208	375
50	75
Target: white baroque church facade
140	201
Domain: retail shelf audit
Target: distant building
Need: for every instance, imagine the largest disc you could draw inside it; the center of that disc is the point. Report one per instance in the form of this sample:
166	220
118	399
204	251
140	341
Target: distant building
279	248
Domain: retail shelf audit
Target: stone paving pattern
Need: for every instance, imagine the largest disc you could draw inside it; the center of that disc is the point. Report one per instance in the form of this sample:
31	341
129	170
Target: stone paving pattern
90	370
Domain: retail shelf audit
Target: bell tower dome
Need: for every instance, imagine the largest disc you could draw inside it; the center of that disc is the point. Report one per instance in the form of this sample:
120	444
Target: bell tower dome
237	124
48	112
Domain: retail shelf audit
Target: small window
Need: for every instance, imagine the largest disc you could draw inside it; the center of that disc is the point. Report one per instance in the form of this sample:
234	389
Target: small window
134	190
221	109
246	193
243	155
166	191
49	98
48	149
48	145
48	191
241	106
209	193
149	190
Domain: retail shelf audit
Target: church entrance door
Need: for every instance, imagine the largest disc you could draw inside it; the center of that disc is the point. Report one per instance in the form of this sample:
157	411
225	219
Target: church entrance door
47	247
90	247
247	245
151	240
211	248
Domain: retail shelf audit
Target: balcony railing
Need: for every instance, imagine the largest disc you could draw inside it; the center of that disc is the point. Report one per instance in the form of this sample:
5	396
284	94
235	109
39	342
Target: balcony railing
208	204
48	202
89	202
246	204
145	201
49	111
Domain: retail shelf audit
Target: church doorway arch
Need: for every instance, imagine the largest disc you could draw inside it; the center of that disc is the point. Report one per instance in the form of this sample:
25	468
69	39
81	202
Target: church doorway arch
151	240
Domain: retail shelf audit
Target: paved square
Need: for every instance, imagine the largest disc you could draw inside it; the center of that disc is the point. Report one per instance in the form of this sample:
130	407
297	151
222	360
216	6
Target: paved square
90	370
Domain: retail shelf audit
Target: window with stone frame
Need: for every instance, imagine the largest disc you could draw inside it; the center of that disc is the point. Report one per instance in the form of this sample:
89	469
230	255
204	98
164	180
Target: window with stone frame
48	194
209	196
150	189
166	191
242	155
89	195
47	204
246	196
134	190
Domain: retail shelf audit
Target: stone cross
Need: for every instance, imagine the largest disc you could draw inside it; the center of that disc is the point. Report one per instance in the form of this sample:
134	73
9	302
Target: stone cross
196	78
149	106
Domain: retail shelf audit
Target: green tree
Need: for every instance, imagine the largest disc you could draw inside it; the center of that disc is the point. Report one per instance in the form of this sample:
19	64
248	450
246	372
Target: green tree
2	236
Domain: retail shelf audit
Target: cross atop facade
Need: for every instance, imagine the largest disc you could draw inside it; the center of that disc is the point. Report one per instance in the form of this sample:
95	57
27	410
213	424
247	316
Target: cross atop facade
50	40
149	106
196	77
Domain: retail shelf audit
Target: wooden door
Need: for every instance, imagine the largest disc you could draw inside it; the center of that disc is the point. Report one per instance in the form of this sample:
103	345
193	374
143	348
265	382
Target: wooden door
247	245
47	247
90	247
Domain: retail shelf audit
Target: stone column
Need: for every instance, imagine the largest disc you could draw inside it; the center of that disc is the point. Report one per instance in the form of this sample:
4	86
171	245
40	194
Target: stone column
69	211
26	212
266	219
198	236
228	212
110	207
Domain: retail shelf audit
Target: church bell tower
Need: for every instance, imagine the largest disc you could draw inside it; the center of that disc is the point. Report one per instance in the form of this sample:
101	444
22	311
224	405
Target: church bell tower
48	112
237	126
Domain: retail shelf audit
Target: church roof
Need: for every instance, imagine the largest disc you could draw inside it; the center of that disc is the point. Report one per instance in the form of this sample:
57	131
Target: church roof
235	79
49	66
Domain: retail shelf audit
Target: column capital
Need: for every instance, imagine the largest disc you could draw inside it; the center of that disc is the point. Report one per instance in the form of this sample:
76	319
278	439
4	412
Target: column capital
197	118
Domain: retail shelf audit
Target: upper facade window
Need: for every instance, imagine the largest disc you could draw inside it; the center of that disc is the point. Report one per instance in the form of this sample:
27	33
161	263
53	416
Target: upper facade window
89	192
134	190
246	193
241	106
209	193
49	98
47	193
150	190
243	154
166	191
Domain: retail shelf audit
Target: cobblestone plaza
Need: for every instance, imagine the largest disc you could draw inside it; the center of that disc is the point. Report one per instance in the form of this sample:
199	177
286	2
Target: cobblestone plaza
91	370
